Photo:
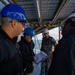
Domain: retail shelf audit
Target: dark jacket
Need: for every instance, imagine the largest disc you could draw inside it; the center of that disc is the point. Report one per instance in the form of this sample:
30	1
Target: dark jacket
63	62
26	49
10	60
47	44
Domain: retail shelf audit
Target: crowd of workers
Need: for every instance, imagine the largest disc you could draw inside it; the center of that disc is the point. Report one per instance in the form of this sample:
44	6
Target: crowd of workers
16	58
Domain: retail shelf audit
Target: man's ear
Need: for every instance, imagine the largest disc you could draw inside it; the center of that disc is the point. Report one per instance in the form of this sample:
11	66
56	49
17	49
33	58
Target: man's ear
13	23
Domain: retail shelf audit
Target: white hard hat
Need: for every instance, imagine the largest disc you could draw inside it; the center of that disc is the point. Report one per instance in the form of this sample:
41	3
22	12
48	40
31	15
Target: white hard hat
45	31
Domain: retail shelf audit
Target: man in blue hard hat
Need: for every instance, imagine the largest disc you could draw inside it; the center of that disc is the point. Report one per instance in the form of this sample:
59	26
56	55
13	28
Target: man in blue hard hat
26	48
12	23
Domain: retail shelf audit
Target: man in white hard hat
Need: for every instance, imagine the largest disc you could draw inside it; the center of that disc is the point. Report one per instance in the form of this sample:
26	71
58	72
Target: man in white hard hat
47	43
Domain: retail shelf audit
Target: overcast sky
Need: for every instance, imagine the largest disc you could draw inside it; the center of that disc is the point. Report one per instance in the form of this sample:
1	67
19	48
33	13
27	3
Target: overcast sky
53	32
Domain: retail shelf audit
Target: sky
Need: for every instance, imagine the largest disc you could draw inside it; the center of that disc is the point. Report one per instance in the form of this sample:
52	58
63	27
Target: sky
53	32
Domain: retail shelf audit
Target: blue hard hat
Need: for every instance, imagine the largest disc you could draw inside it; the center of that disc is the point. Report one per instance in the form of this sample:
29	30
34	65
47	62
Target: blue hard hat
14	11
29	31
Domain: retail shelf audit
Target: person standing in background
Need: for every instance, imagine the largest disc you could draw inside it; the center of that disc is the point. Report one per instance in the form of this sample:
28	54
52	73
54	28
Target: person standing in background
46	47
63	62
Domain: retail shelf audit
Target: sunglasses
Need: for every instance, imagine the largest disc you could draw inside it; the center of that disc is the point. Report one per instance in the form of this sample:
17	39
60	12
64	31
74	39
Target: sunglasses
22	22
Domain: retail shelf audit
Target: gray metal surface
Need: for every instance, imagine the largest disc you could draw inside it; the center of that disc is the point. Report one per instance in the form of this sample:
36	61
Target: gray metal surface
44	12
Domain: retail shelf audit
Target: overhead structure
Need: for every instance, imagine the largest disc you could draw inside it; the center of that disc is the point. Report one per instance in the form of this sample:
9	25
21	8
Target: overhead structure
43	14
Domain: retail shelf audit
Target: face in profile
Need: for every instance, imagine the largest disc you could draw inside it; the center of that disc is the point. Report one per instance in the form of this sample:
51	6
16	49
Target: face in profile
28	38
18	27
46	35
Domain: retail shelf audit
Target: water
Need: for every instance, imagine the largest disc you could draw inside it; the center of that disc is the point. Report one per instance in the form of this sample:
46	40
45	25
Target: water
37	67
37	45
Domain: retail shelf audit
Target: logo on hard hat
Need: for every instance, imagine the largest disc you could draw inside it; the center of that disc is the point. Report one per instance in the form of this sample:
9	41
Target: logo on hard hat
19	15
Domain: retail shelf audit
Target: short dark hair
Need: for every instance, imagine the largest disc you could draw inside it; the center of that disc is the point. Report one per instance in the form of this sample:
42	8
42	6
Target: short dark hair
71	21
